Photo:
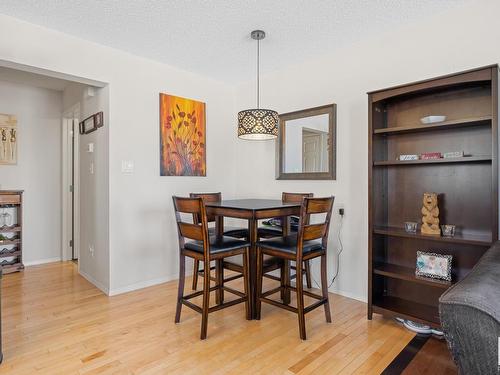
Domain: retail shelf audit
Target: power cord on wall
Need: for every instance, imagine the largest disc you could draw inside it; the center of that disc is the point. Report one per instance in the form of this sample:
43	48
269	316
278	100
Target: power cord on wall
341	248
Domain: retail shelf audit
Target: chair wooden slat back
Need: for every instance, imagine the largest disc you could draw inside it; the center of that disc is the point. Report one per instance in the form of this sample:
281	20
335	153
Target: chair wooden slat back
296	198
192	231
308	231
207	198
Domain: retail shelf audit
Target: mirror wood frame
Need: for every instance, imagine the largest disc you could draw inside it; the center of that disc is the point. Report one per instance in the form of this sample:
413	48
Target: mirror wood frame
331	110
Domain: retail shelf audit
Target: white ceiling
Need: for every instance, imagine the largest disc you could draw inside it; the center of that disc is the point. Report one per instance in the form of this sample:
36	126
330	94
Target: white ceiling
212	37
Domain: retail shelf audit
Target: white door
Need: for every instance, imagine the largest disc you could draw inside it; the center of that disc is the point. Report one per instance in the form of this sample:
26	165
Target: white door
311	152
70	186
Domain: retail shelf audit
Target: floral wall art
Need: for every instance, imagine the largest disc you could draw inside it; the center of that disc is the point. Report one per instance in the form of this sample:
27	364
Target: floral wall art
8	139
182	137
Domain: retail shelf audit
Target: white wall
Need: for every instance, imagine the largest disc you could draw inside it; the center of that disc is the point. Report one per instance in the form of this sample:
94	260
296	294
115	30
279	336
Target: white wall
38	170
458	40
142	246
142	238
93	186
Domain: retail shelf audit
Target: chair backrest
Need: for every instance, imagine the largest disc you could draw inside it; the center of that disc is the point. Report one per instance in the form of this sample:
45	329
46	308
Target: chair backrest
207	198
314	231
193	231
296	198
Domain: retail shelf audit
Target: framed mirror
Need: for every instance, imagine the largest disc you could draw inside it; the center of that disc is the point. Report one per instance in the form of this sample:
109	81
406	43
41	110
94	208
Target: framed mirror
306	148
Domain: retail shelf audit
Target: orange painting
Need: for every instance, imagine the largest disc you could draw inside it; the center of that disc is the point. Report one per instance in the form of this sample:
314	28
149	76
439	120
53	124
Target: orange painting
182	137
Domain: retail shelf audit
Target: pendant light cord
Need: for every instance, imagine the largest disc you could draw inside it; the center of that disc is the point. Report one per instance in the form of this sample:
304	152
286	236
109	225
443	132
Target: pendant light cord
258	73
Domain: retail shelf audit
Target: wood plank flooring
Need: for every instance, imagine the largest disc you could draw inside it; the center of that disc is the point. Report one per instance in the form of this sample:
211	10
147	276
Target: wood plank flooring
55	322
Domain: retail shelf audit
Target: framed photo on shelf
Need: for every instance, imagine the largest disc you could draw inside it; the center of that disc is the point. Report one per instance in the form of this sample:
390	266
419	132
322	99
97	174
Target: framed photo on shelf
436	266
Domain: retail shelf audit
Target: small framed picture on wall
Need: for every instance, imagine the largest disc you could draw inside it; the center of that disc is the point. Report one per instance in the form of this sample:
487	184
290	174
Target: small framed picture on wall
92	123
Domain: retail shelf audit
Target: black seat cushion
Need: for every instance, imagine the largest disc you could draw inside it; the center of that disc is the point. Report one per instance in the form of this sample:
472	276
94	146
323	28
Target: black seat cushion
217	244
288	244
236	232
238	260
269	232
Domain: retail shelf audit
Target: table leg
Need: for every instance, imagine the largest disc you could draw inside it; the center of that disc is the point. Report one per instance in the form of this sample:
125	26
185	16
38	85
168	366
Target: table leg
286	294
219	225
252	230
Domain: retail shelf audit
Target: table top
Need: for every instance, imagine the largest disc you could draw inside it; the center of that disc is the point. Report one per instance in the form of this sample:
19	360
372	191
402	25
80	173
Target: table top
252	204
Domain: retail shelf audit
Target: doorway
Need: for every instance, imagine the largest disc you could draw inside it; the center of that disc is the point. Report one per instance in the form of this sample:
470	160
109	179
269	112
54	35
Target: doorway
314	150
70	182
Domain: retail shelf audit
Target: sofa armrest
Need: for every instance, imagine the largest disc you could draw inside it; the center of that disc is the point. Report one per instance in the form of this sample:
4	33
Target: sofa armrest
470	316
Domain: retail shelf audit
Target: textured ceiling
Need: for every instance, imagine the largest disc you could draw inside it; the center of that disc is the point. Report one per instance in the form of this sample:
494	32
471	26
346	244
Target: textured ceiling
212	37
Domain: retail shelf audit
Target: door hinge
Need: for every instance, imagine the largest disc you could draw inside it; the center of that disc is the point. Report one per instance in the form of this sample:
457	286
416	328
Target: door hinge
70	243
70	188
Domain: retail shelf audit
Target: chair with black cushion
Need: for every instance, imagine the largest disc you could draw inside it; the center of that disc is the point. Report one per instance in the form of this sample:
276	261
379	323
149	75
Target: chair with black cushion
277	231
232	263
228	231
203	248
310	242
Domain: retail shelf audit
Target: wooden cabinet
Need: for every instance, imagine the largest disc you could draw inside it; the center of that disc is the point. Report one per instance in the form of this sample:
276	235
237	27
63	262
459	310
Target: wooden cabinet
11	230
467	186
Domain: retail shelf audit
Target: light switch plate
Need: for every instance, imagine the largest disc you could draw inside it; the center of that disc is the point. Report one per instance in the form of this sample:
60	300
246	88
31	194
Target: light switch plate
90	147
127	167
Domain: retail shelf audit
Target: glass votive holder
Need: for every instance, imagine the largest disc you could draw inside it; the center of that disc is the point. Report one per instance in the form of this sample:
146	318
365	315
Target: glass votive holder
448	230
411	226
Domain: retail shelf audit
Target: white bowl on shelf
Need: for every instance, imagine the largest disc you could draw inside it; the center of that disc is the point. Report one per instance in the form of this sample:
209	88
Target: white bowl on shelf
432	119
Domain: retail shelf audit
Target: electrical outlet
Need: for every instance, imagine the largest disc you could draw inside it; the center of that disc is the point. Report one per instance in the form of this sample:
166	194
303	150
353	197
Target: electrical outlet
341	209
91	250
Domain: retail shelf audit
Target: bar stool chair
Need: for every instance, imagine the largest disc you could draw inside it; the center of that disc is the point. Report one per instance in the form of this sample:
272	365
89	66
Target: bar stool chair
234	263
285	229
300	247
203	248
228	231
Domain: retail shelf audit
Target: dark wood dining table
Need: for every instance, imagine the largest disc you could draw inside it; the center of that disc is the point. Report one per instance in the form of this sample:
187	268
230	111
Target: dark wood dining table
252	210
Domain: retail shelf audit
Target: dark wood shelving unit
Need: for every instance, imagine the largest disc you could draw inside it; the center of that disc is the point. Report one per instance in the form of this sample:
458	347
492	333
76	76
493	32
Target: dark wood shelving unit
472	239
474	121
467	187
408	274
9	199
403	308
465	159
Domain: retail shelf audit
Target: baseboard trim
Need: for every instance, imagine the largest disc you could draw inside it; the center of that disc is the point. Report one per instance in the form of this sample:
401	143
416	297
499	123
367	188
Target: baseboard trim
93	281
142	285
42	261
349	295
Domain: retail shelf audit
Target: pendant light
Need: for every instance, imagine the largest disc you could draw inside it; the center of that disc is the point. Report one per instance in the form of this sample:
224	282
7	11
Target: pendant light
258	124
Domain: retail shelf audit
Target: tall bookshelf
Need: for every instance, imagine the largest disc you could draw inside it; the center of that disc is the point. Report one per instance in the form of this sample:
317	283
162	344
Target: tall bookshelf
11	242
467	187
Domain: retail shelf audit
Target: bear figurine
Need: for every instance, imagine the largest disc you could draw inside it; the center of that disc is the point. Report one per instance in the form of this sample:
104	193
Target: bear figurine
430	214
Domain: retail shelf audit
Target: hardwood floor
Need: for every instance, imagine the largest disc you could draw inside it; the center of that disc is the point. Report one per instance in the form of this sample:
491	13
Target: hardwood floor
55	322
433	358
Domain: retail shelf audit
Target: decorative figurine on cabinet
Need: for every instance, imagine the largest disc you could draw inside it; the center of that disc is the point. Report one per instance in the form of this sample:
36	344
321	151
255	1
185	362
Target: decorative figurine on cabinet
430	214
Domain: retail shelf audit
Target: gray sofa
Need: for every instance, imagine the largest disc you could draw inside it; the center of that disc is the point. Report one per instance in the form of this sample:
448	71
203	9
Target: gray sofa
470	317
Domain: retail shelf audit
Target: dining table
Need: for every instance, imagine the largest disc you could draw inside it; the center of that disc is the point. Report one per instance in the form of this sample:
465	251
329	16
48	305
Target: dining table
252	210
